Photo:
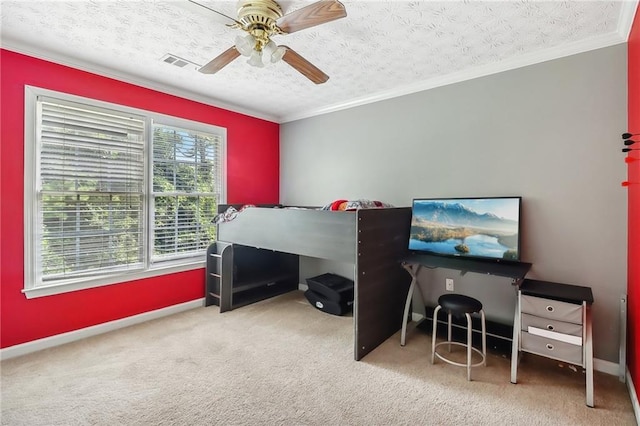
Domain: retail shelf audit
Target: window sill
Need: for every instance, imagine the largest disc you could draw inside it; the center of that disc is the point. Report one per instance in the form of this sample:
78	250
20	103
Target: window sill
59	288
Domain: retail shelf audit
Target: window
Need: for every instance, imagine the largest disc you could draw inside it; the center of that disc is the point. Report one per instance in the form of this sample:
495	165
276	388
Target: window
114	194
184	190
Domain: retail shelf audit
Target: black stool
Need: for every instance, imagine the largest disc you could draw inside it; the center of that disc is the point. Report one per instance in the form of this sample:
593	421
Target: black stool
458	304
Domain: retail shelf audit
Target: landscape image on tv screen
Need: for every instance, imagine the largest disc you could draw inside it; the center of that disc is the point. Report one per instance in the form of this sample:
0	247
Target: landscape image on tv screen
474	227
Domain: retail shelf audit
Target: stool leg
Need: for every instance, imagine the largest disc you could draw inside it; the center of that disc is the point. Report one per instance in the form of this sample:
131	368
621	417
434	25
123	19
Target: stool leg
469	345
433	334
484	338
449	331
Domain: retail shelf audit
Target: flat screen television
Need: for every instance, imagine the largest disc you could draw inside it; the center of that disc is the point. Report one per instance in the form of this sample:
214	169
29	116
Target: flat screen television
483	228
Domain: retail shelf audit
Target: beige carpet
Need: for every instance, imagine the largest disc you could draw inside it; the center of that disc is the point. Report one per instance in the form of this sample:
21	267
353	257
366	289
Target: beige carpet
282	362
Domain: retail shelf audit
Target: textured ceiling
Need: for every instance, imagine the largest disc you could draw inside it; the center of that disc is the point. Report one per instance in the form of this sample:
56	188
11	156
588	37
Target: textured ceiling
381	49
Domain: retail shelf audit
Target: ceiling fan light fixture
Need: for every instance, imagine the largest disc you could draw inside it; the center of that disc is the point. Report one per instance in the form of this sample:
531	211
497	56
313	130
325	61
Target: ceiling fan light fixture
273	52
245	44
278	54
256	59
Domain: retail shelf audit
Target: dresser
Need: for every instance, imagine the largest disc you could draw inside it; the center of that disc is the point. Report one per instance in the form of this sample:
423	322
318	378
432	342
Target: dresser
554	320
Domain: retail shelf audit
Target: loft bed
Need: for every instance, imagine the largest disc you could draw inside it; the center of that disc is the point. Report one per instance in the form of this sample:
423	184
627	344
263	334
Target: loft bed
373	240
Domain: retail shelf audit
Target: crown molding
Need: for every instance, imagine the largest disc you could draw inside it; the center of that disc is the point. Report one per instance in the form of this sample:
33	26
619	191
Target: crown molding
621	35
76	63
627	14
481	71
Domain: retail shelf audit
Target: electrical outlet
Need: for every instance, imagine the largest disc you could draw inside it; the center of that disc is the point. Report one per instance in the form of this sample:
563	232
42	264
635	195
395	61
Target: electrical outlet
449	284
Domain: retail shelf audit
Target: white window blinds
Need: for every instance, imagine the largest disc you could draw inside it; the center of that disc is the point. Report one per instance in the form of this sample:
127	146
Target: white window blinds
187	182
90	190
114	193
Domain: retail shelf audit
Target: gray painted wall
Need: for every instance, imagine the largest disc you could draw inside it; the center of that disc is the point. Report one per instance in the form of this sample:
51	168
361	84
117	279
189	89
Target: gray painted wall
549	132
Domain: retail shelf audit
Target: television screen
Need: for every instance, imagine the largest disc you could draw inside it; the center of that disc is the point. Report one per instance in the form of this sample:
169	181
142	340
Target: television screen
475	227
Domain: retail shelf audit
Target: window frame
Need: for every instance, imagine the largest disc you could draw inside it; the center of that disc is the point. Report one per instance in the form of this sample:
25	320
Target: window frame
32	288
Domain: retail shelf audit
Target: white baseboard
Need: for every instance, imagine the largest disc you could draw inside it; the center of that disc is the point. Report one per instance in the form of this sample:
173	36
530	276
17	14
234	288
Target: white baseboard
633	395
416	317
607	367
72	336
601	365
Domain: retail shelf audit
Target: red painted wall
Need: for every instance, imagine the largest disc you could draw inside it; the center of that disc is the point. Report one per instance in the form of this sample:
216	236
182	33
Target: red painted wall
633	285
253	174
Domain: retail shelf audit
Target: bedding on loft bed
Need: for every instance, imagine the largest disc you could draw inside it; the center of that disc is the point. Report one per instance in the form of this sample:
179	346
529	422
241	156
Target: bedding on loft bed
353	205
231	212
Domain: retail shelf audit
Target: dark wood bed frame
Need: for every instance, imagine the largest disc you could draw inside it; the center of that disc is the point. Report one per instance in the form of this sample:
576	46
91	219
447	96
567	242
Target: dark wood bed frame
373	240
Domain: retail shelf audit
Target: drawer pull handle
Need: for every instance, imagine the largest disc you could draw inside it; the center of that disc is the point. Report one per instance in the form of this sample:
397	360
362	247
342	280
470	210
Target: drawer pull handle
550	308
550	327
549	346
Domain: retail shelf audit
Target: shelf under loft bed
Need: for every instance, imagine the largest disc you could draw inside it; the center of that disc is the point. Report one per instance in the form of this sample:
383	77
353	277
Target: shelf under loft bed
267	279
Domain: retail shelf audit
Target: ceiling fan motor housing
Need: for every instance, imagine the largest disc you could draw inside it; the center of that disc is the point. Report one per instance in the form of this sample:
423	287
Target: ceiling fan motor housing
259	14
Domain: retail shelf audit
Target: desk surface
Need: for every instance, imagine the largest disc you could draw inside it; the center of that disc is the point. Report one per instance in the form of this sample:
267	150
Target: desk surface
510	269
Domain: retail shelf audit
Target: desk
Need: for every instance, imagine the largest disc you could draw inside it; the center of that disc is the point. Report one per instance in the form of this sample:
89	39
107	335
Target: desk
554	320
413	263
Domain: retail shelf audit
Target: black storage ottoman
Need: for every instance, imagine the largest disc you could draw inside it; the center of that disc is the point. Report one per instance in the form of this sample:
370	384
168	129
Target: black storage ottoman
330	293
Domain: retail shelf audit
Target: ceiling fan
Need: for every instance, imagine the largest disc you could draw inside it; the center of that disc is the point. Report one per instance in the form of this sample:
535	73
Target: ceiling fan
263	19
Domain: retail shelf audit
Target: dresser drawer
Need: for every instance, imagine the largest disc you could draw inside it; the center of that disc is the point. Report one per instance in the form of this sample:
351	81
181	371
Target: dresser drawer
552	309
551	348
551	325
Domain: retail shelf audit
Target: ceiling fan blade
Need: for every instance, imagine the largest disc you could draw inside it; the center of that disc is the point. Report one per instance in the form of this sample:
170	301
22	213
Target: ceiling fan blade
198	8
220	61
312	15
304	67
